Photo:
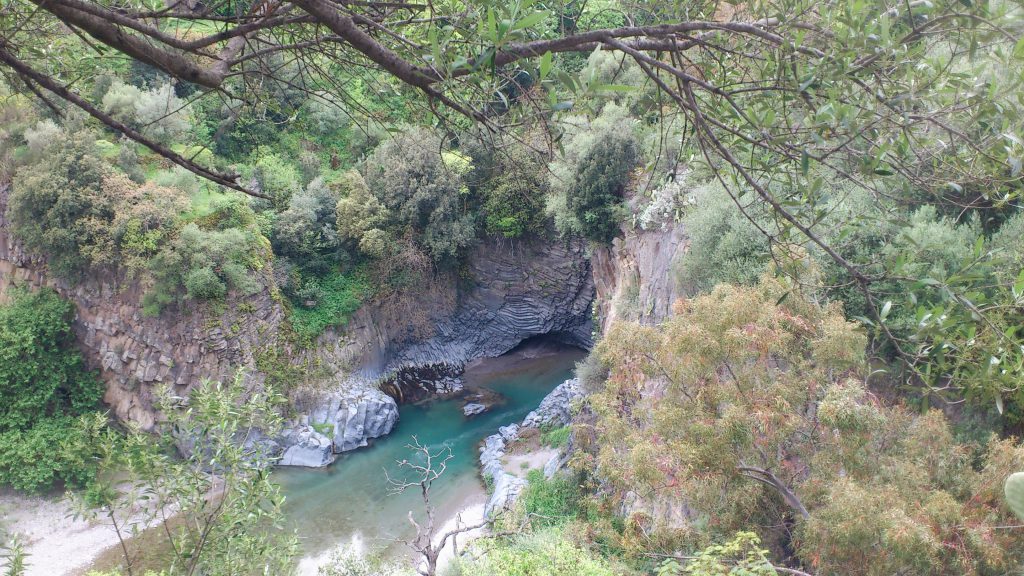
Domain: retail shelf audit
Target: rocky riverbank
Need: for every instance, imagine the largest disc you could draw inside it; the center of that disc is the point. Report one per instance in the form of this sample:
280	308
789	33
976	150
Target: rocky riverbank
508	480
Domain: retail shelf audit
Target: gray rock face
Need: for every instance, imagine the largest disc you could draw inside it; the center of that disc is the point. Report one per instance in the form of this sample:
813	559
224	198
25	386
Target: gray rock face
308	448
506	486
556	407
506	294
356	416
634	277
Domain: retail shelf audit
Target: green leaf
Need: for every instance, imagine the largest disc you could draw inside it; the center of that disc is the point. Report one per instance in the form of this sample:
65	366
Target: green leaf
435	48
885	310
545	64
492	27
1014	490
530	20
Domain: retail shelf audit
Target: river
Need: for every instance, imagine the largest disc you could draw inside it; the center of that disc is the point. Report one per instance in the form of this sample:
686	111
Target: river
349	502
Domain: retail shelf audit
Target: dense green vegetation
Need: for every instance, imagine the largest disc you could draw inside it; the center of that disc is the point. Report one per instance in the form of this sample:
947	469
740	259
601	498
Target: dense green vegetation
48	399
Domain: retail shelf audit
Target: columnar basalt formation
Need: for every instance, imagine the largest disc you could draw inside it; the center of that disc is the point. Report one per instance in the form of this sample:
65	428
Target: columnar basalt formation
502	295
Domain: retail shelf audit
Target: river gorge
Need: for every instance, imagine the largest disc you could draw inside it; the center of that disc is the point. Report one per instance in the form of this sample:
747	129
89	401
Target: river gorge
349	502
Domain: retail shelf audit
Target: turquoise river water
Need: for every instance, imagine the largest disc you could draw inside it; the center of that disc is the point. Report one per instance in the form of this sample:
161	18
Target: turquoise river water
349	502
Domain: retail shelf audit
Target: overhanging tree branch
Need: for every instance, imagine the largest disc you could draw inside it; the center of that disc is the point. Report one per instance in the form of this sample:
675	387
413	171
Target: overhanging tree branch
226	180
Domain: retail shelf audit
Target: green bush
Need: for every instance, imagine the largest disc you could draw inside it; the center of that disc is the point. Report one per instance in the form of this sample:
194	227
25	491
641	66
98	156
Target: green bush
552	500
588	179
725	247
409	176
340	296
206	263
547	552
163	116
305	231
278	179
44	387
55	450
42	374
556	438
57	206
361	217
513	195
596	194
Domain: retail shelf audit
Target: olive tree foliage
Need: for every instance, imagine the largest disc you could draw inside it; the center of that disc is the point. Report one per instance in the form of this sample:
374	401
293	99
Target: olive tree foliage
216	509
158	113
306	231
749	408
725	246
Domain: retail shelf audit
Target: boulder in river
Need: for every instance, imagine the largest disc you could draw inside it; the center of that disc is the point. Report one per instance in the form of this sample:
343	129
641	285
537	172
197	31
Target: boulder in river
309	448
354	418
473	408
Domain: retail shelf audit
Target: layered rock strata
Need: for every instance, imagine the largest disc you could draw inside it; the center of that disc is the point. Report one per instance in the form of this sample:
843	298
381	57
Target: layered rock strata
502	295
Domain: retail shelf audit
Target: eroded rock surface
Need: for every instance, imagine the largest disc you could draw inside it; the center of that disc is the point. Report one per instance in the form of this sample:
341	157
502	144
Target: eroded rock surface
635	277
556	408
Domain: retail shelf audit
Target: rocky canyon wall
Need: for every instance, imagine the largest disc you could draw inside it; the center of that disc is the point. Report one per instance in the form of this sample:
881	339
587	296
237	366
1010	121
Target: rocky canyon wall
505	293
635	277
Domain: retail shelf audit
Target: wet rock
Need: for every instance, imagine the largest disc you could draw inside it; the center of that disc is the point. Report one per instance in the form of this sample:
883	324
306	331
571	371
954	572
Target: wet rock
473	408
310	449
556	408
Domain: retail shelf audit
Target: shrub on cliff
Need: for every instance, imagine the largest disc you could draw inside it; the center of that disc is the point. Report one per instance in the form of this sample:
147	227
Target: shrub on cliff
57	206
203	264
513	204
588	180
361	217
596	195
422	192
724	245
44	387
305	232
